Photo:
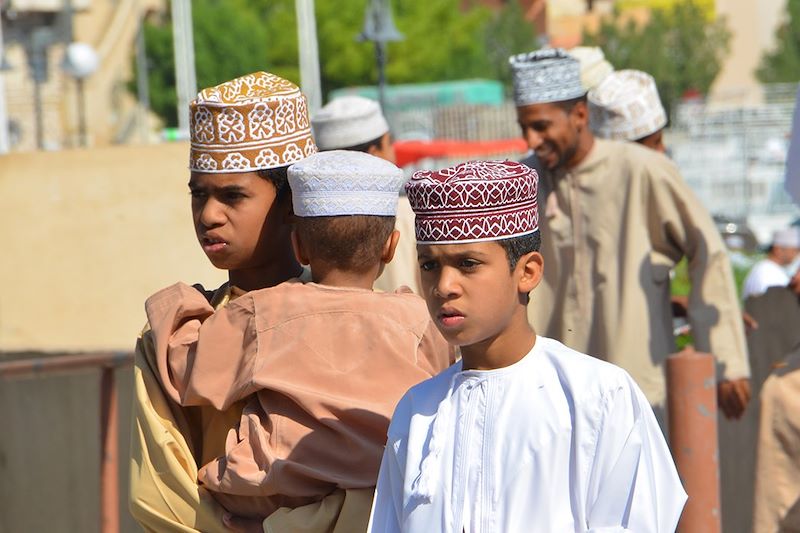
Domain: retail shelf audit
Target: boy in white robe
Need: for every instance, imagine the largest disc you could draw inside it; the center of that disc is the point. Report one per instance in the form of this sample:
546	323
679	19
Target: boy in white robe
522	434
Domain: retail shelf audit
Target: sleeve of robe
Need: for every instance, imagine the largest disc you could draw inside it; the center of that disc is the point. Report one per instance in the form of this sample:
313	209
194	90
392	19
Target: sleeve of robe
633	484
204	357
387	506
681	226
164	494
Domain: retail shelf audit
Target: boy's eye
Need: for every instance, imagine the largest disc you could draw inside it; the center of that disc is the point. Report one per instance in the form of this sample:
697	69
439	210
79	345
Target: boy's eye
427	266
468	263
196	195
233	196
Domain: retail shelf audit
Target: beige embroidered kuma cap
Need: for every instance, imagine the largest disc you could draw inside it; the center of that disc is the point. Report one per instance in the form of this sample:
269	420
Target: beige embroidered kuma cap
255	122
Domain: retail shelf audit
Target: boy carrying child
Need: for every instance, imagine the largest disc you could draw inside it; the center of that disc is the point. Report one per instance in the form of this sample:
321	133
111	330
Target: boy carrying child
319	365
244	135
523	434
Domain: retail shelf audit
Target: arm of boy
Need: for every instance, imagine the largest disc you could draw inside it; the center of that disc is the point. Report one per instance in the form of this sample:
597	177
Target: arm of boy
204	356
387	505
633	484
681	226
164	493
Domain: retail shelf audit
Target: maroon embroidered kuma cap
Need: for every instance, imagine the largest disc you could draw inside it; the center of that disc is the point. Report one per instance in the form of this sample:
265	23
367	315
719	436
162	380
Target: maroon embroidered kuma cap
473	202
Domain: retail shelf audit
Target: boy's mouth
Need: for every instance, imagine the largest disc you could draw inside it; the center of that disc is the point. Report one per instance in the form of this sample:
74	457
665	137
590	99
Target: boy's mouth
449	317
212	245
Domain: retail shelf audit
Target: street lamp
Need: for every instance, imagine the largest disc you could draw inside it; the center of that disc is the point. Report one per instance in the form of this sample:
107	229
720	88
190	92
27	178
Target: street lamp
80	62
380	29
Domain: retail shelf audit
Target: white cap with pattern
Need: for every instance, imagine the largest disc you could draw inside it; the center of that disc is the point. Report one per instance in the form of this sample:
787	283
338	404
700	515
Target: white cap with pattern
343	182
348	121
787	238
626	106
545	76
594	65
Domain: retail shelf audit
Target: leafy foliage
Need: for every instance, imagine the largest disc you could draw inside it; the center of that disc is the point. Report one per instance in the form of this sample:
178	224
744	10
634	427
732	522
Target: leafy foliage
782	65
443	41
679	46
507	34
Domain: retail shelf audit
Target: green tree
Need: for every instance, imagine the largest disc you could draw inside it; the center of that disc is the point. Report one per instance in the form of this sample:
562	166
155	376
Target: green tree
444	40
229	41
508	33
782	65
679	46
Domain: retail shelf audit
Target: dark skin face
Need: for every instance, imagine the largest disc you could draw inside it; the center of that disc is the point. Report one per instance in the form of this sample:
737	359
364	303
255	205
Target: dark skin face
654	141
385	150
477	302
242	228
560	138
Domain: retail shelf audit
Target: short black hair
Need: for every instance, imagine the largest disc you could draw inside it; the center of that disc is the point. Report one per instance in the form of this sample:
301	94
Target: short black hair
364	147
516	247
350	242
568	105
279	178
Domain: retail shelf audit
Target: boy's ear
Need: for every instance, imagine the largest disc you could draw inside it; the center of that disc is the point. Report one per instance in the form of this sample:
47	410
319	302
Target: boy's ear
300	252
390	246
531	269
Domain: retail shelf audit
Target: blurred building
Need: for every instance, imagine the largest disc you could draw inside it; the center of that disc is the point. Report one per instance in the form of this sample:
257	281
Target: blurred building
42	99
752	26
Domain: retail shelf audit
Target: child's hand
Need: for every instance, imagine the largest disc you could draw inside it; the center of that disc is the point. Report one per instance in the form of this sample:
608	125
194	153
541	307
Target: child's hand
242	525
733	397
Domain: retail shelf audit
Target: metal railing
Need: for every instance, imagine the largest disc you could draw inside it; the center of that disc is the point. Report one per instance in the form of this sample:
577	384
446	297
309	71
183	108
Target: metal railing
107	362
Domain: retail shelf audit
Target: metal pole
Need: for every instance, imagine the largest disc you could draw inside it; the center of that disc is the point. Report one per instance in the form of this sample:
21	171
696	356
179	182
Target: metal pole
39	113
82	137
142	83
109	482
5	144
692	407
185	75
309	54
380	57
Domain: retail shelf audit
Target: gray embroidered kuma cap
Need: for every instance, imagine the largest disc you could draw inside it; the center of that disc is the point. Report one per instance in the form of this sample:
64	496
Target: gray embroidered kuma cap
348	121
545	76
343	182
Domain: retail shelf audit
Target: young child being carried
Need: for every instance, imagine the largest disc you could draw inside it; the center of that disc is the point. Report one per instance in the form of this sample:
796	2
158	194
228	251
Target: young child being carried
320	364
522	434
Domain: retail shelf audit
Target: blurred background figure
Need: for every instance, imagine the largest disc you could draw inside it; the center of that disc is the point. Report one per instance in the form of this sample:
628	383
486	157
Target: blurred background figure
594	66
777	483
772	270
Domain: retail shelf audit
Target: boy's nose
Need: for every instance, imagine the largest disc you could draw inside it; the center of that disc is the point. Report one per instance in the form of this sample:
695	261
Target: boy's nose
447	285
212	214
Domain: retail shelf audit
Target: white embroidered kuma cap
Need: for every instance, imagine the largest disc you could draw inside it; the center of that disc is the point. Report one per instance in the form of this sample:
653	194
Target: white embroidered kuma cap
348	121
344	182
594	65
787	238
626	106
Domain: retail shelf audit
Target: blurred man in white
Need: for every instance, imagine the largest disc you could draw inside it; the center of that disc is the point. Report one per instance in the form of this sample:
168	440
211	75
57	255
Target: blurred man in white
772	270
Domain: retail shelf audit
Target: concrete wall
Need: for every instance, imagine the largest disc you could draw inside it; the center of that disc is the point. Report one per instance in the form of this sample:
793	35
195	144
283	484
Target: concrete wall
87	236
50	453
